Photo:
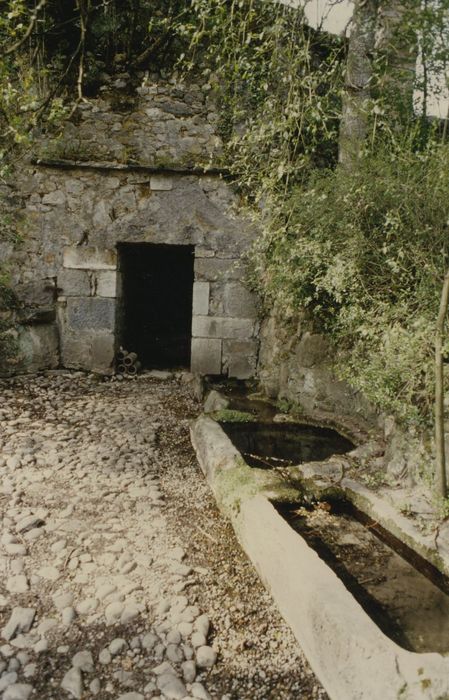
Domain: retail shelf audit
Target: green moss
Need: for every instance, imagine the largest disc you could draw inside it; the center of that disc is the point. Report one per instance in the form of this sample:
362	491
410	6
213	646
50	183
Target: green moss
228	415
241	483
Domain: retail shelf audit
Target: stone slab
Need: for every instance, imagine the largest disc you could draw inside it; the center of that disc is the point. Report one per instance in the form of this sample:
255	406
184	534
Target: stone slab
74	283
88	312
206	356
201	292
238	301
87	258
106	283
219	327
160	183
103	351
213	269
241	358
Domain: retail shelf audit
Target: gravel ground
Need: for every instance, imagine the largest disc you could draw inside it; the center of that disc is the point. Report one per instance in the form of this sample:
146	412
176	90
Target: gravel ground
119	579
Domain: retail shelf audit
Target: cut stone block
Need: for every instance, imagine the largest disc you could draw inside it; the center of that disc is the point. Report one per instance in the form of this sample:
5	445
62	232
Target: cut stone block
218	327
241	358
206	356
103	350
238	301
212	269
81	258
161	183
201	298
106	283
88	312
74	283
76	351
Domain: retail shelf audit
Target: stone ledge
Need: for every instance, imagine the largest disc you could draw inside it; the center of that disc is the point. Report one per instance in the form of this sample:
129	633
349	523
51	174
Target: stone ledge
174	169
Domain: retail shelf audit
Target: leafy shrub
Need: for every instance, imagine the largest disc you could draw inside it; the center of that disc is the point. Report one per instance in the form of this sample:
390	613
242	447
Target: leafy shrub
364	252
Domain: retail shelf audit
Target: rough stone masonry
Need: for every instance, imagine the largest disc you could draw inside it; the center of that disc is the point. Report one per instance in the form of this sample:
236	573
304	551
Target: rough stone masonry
131	168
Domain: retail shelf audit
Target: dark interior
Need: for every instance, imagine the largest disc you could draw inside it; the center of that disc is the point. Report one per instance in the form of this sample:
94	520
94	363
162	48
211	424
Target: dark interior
156	313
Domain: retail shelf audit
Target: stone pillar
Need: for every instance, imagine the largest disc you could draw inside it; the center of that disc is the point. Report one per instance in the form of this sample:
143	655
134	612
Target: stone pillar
87	308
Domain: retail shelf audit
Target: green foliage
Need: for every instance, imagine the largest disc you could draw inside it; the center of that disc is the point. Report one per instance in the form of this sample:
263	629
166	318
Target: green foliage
278	83
364	252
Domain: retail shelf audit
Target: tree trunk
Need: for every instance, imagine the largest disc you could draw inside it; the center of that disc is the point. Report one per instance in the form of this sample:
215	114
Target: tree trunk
359	73
441	479
397	45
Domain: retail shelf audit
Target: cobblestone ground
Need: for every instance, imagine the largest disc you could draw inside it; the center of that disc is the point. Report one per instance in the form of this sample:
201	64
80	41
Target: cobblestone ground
119	579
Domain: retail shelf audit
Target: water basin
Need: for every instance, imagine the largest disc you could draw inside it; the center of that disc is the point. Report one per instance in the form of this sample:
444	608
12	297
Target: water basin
268	445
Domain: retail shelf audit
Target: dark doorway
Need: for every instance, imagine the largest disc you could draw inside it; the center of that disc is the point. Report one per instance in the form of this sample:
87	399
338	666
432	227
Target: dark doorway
156	308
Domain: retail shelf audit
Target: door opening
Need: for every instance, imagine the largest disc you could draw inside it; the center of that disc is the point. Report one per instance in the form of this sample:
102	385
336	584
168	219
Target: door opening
156	303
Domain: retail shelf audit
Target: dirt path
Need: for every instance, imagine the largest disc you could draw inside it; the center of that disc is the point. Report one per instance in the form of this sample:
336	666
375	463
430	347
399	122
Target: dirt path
118	577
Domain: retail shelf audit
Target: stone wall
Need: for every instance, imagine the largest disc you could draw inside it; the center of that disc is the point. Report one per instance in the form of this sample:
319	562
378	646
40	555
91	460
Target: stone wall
131	168
295	366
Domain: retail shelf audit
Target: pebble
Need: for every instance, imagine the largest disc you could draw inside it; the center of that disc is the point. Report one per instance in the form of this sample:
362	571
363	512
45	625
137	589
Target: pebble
174	654
17	584
104	656
171	686
117	645
189	671
131	696
7	679
18	691
205	657
15	549
49	573
202	625
62	600
73	683
29	670
114	612
198	640
199	691
149	640
20	621
85	607
84	661
95	686
68	615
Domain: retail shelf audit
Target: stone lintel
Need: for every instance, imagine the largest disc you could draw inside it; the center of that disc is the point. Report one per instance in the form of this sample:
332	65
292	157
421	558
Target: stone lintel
87	258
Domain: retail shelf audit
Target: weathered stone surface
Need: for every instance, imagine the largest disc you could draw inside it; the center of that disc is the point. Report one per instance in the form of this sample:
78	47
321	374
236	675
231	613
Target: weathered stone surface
211	269
201	292
38	348
217	327
103	348
206	356
83	258
106	283
74	283
56	198
238	301
161	182
96	313
240	357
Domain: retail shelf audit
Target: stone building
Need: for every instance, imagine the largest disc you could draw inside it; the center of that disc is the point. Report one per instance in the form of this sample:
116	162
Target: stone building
132	237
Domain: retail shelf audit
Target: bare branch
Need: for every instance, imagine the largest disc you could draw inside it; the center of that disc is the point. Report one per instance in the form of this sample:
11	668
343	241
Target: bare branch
29	29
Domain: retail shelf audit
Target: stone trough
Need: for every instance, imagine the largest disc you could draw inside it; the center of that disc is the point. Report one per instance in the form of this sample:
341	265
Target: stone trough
351	656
